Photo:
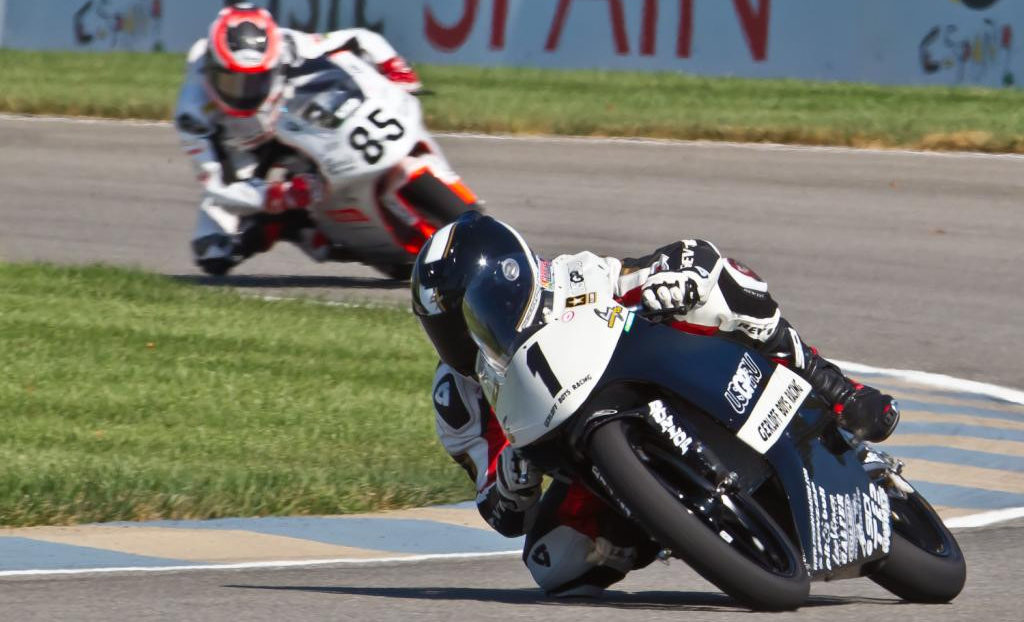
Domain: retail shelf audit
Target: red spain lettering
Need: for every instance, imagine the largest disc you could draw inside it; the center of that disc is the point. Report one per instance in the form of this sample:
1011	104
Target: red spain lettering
499	17
649	35
755	25
450	38
684	43
618	19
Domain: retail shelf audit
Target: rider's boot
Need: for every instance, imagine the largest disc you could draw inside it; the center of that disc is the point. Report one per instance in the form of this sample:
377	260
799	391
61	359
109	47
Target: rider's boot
864	411
214	254
577	545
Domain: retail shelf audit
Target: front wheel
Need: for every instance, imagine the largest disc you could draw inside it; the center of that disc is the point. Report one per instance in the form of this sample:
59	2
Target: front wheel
727	537
925	564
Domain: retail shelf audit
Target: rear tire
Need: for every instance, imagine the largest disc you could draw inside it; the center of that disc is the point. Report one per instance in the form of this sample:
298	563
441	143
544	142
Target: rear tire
656	507
216	267
397	271
925	564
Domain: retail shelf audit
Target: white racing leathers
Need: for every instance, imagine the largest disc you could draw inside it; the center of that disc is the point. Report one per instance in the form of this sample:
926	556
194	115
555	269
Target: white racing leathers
230	152
575	544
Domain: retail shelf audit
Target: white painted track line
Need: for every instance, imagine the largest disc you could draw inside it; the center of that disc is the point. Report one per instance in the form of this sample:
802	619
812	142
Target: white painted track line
548	138
983	519
267	564
939	381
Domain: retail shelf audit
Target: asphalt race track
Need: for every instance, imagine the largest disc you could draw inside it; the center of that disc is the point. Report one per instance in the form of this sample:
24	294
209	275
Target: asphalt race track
890	259
489	589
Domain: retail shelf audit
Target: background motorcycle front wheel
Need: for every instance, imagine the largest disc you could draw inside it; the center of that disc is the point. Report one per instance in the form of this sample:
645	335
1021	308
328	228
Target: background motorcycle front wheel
925	564
738	547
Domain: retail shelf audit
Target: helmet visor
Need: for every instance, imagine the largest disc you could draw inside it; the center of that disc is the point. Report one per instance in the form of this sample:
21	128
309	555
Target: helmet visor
241	91
447	331
501	302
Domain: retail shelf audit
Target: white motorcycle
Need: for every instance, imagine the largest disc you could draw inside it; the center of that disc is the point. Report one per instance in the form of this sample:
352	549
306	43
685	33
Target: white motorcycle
387	185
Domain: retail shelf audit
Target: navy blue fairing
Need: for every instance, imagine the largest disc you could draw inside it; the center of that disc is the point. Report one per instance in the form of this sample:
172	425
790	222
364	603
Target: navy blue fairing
816	470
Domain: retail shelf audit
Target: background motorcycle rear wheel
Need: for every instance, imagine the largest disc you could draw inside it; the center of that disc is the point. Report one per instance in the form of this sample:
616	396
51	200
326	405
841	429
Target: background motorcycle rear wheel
925	564
397	271
618	450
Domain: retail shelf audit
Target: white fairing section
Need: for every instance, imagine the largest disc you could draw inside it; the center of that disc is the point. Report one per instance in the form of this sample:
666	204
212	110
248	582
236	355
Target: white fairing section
350	213
577	347
332	148
779	401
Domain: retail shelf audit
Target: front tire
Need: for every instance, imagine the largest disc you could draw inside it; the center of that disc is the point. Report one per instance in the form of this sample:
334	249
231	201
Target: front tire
925	564
623	455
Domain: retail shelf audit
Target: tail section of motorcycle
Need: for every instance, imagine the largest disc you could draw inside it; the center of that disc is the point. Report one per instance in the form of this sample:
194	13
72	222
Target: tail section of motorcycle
417	197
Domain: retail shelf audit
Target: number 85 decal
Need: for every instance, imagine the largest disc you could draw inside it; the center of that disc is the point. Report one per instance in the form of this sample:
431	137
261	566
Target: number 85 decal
371	148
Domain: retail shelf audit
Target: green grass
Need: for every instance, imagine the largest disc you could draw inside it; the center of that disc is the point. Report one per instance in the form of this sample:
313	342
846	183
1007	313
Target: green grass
128	396
579	102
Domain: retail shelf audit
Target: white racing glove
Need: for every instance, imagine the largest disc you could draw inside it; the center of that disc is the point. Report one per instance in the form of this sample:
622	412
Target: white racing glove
518	481
675	292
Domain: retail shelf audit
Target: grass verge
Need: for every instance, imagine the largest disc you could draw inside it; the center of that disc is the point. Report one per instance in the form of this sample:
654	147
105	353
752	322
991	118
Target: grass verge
602	103
128	396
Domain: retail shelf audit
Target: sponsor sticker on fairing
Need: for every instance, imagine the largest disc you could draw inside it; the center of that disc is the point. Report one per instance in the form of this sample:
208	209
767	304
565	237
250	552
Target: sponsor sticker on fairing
544	274
779	402
583	299
662	418
576	280
614	313
743	384
846	526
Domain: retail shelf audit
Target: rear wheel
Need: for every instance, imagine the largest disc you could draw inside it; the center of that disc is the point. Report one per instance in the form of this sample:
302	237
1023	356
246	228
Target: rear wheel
925	564
216	267
397	271
725	536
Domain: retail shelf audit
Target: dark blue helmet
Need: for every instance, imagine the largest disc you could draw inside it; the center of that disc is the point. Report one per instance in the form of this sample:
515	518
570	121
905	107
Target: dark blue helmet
475	287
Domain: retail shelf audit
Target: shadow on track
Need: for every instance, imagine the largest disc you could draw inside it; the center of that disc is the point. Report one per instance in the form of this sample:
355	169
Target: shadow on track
266	281
656	600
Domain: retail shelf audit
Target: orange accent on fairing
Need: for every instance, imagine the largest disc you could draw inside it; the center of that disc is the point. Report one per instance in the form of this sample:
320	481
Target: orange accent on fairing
463	192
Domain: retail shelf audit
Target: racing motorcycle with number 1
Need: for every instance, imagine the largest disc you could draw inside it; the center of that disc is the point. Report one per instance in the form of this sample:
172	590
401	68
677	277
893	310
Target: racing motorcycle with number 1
728	460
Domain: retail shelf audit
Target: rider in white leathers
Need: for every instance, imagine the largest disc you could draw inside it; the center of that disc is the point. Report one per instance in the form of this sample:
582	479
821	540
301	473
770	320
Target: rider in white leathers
236	82
575	544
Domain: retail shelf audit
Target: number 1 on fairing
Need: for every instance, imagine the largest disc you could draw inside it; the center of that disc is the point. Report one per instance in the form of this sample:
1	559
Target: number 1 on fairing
537	363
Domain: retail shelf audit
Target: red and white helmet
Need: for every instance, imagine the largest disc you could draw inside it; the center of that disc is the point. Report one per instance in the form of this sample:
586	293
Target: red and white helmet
243	66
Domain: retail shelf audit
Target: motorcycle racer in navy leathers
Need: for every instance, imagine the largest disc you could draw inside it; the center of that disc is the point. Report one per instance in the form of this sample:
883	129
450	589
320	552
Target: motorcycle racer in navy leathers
575	544
236	83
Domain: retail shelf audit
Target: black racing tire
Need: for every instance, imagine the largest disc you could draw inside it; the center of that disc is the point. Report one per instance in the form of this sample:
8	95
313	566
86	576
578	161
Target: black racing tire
655	507
925	564
397	271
